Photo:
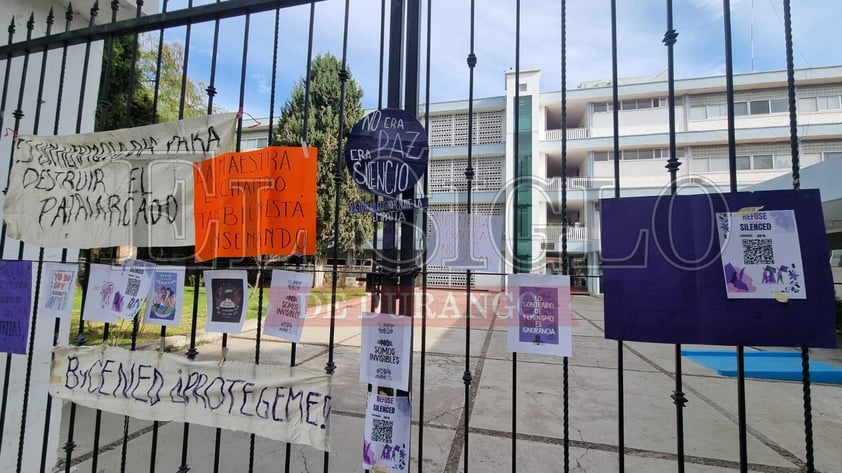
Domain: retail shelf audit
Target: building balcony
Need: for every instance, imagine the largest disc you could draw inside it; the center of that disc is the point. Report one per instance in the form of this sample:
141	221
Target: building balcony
578	183
574	233
572	134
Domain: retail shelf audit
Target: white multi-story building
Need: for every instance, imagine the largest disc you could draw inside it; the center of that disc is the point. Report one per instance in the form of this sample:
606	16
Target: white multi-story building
532	232
533	239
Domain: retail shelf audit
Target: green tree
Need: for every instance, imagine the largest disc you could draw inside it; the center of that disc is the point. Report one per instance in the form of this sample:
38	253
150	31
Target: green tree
323	133
115	82
118	77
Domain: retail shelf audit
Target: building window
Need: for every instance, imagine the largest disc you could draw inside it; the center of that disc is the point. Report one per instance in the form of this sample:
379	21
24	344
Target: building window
832	155
523	87
759	107
631	104
779	106
757	162
828	102
808	104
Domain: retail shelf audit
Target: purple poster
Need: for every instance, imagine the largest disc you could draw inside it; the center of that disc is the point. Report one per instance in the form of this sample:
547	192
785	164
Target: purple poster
663	273
538	312
15	305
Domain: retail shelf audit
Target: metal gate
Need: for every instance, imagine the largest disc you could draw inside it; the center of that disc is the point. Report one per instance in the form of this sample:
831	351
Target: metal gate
49	90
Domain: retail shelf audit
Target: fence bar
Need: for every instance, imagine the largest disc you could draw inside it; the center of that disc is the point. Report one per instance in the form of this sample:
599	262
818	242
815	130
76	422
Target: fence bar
182	17
517	176
615	109
424	247
732	167
338	179
673	164
467	378
565	269
796	185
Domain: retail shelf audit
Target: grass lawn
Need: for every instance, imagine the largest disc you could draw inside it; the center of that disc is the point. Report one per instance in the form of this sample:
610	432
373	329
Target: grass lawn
120	332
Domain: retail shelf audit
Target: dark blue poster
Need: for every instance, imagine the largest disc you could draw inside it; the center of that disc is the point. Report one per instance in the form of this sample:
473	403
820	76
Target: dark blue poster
663	273
387	152
15	305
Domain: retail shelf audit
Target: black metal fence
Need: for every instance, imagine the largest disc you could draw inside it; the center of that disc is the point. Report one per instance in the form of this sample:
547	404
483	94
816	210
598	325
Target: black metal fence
32	47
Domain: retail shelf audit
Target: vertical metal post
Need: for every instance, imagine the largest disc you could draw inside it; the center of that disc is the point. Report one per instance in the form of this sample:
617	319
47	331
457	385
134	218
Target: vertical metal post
621	429
564	226
732	168
672	166
517	265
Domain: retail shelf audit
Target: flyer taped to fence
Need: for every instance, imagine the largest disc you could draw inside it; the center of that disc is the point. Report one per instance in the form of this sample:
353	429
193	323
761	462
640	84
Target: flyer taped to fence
288	404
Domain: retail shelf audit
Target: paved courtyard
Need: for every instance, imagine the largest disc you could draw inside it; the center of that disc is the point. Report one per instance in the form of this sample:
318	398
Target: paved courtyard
774	408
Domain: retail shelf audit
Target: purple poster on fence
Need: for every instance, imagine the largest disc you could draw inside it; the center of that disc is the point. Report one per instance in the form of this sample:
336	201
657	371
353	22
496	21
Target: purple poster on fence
663	273
538	312
15	305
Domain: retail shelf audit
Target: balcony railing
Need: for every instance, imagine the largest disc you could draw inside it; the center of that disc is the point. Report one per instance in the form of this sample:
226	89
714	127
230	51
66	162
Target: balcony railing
578	233
572	134
574	183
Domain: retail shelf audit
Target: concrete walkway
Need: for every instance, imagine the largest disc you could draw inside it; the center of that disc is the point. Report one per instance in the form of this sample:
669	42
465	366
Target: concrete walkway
774	412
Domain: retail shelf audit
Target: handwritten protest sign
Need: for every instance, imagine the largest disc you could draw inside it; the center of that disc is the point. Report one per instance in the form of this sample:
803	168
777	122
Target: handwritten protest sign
227	296
257	202
132	186
386	442
166	296
460	240
541	322
288	304
58	284
15	300
385	345
281	403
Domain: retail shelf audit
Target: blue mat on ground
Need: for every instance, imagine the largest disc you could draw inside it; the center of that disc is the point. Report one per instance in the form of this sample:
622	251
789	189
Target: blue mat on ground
785	365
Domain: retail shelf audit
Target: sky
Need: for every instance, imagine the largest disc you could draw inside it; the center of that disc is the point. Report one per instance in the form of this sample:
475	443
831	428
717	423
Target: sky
699	51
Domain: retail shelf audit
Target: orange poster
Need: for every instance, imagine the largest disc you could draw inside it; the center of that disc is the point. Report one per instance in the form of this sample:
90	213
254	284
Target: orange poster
260	202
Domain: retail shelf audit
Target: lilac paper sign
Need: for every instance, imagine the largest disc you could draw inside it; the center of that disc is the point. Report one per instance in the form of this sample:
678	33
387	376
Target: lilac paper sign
538	314
288	304
386	441
540	321
663	273
15	305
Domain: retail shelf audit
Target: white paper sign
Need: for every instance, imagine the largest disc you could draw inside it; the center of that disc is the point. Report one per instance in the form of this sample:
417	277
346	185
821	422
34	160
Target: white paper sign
166	296
761	255
385	347
227	296
102	285
58	287
540	320
387	434
288	404
132	186
132	288
452	244
288	304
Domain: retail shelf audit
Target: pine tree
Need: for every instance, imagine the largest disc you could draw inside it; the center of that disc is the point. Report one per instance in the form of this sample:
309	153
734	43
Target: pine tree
323	133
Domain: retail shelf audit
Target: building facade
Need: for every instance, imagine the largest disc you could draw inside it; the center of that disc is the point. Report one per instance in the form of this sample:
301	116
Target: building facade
531	154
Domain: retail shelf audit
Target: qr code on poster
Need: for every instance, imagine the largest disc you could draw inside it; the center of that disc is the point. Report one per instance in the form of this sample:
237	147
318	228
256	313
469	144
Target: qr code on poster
758	251
132	287
381	431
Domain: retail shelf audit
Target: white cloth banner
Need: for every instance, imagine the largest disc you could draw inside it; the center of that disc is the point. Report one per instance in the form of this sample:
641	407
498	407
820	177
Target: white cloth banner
385	346
132	186
277	402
